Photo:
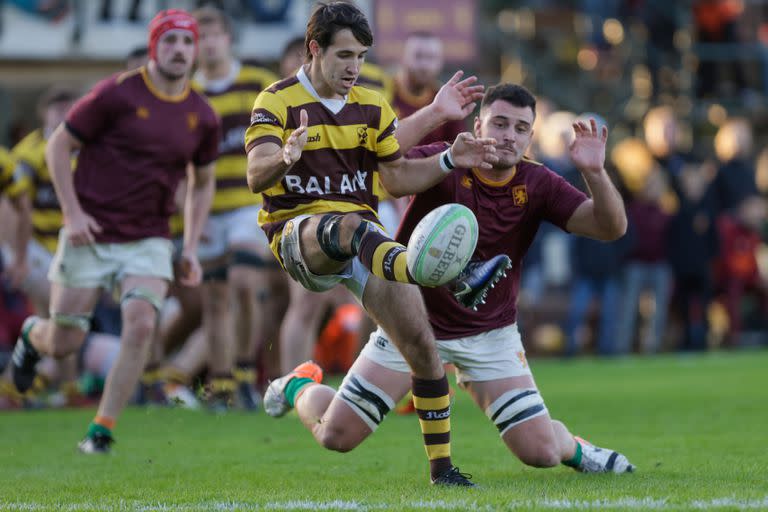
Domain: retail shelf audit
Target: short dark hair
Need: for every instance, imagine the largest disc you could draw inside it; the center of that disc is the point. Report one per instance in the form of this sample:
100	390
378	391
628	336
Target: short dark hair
56	94
210	15
138	52
513	94
327	19
294	45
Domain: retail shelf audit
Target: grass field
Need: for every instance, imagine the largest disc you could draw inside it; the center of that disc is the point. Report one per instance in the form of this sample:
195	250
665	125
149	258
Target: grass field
696	426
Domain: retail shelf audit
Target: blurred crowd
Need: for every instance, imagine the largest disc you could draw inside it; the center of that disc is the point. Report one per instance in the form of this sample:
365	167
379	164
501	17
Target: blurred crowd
690	274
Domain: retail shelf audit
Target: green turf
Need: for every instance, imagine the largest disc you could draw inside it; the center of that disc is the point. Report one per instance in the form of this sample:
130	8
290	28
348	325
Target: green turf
696	426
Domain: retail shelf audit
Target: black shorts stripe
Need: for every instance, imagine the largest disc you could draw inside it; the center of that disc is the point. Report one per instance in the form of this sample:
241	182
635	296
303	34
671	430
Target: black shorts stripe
611	461
521	416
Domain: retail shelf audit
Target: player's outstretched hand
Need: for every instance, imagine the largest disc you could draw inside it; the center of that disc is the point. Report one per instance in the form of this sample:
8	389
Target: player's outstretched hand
468	152
81	228
458	98
191	271
296	141
588	148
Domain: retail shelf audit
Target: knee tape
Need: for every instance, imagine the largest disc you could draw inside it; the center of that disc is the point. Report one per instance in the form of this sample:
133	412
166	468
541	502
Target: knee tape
368	401
82	322
144	294
514	407
328	237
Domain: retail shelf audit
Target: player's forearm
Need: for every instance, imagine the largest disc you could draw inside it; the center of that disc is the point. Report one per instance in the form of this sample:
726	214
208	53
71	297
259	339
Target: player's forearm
265	171
57	156
418	125
409	177
197	206
23	226
609	211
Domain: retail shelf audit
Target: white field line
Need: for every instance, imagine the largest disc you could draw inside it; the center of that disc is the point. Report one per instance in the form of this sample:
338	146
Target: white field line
358	506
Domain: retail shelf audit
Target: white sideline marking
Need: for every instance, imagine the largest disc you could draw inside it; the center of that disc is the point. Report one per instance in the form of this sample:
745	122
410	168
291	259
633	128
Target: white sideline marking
564	504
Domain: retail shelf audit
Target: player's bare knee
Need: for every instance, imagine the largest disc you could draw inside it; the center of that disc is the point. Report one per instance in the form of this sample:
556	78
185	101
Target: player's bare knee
336	438
541	455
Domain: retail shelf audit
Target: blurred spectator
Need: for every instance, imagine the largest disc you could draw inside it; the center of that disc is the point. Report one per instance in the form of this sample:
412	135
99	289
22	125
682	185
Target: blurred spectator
646	266
736	178
416	83
596	268
716	22
738	273
292	57
660	130
693	246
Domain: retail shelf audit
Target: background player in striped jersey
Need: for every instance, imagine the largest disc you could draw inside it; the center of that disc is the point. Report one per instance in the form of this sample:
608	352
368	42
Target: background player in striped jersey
317	146
234	251
137	133
511	201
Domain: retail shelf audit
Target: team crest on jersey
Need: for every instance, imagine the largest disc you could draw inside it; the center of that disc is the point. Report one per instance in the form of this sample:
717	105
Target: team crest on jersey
142	113
466	182
520	195
521	358
288	229
362	134
193	119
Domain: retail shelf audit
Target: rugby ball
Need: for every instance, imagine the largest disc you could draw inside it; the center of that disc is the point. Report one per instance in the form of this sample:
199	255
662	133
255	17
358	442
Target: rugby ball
442	244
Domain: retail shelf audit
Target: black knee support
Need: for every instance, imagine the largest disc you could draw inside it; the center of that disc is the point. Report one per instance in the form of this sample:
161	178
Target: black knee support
328	237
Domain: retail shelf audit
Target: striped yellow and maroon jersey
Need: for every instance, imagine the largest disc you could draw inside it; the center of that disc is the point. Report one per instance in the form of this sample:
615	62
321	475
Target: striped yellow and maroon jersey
31	174
7	166
338	168
232	99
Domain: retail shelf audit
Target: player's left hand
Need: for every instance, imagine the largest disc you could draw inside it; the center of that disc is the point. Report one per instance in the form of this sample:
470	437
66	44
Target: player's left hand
457	98
468	152
588	148
191	271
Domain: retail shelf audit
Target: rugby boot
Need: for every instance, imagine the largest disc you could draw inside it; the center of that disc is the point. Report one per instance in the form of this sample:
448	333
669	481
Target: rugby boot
25	357
276	404
478	277
601	460
452	477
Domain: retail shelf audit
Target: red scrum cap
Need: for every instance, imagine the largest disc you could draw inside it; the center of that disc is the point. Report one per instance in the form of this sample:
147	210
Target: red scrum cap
169	19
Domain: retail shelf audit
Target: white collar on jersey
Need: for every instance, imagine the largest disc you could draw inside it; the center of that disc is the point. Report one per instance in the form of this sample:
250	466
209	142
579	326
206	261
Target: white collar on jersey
334	105
220	84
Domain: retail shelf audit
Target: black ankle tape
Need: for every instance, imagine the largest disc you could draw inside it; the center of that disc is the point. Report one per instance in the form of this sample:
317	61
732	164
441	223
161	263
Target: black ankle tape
328	237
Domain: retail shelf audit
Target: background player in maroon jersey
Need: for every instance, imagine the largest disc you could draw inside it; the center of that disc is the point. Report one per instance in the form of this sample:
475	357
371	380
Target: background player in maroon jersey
510	201
137	132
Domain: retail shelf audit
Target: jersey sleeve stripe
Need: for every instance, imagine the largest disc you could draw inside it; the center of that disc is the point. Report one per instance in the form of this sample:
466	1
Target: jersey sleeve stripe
390	130
264	140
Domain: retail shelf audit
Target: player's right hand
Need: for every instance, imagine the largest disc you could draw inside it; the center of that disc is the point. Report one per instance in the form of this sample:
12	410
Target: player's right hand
81	228
468	151
296	141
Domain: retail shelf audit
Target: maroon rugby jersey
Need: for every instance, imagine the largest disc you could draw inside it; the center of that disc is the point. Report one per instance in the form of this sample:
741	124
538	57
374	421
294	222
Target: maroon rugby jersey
508	214
137	143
